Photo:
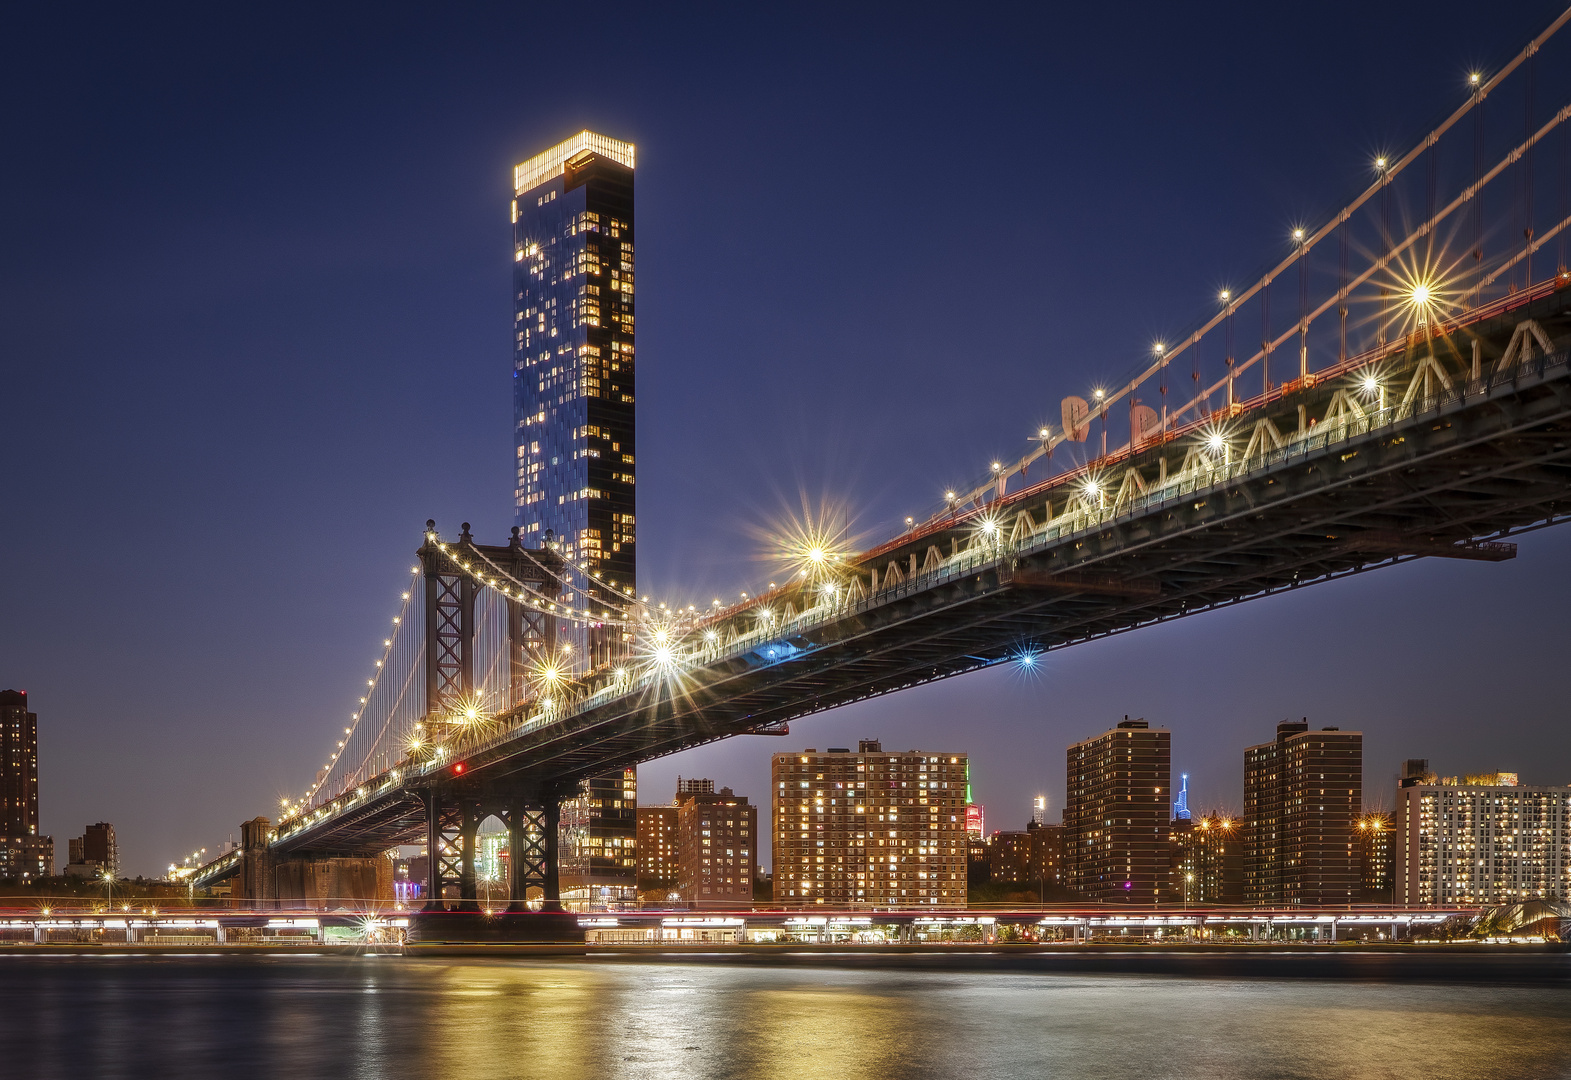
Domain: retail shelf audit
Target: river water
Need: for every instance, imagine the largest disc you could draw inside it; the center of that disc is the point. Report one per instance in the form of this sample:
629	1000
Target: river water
303	1017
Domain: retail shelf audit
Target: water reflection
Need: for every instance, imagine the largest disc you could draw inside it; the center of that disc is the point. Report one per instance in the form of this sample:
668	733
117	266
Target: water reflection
369	1017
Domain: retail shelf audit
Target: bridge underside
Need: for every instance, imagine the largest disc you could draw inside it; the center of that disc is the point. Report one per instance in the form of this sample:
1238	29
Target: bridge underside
1457	470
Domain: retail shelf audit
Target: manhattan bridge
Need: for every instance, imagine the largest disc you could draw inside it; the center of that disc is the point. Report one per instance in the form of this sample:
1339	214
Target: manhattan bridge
1416	403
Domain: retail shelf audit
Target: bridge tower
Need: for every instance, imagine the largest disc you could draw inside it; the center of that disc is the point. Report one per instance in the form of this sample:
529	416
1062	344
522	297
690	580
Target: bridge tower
456	805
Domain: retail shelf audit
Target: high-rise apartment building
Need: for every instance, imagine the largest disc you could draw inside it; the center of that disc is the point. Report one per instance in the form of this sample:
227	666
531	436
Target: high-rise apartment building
24	855
1009	857
1377	857
573	397
573	357
656	848
716	844
1490	843
1208	860
869	829
99	845
1116	814
94	853
1047	853
1303	796
597	858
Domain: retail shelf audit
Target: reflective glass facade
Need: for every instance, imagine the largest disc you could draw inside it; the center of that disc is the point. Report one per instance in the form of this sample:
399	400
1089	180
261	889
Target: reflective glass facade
573	399
573	358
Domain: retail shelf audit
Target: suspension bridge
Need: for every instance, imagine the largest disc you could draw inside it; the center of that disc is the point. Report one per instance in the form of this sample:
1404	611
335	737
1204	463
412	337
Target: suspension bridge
1425	412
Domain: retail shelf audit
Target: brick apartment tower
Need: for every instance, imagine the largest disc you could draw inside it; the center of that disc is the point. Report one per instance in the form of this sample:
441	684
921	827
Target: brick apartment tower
716	845
1303	795
1117	812
656	847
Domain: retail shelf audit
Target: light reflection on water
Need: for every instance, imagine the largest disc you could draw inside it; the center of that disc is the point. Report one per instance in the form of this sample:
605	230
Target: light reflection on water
368	1017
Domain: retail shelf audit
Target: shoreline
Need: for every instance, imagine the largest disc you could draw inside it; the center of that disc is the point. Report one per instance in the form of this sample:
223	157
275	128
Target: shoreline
1540	964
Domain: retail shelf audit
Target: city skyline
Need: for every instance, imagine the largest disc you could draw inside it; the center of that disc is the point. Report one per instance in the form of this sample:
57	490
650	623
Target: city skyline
264	360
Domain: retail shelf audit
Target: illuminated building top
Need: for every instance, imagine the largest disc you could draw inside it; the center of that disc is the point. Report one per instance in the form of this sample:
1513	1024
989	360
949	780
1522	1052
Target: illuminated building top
546	165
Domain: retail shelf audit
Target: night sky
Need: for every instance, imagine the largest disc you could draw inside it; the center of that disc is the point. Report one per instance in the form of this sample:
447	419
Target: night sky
255	328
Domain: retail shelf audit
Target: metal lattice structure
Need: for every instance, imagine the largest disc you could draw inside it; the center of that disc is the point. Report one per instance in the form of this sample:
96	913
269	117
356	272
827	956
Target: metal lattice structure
1308	485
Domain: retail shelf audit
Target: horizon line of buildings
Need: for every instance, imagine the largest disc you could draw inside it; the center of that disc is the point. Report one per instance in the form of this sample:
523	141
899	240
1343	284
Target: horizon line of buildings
875	828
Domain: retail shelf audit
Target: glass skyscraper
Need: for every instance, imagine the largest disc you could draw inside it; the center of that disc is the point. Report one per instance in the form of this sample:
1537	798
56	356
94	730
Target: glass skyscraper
573	404
573	357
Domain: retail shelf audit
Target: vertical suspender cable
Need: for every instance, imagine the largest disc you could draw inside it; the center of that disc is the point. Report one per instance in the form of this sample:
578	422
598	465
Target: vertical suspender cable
1162	389
1303	311
1565	191
1231	397
1196	370
1265	335
1341	288
1385	246
1478	180
1428	203
1527	174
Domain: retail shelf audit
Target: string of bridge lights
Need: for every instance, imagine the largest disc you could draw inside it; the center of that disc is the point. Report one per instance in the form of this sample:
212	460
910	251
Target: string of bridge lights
377	670
513	590
664	634
591	581
1386	169
525	591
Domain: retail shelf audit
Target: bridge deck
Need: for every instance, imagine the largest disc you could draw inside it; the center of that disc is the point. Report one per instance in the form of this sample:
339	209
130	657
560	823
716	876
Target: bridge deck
1325	487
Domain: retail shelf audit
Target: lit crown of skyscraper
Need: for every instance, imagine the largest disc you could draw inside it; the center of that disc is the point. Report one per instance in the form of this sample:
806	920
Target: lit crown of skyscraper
545	165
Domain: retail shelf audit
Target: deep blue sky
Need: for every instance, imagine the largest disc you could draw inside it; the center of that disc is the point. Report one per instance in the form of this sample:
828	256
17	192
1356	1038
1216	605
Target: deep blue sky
255	329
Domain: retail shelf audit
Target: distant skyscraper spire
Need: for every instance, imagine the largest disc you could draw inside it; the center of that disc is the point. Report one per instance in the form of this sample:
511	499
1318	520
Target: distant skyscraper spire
1039	810
1181	804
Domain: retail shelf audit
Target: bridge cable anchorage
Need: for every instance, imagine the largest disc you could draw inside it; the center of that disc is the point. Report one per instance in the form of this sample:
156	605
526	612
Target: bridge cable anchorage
1477	93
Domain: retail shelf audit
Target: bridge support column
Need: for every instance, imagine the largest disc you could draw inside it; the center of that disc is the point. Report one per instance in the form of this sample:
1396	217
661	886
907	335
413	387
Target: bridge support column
532	846
468	886
553	881
443	848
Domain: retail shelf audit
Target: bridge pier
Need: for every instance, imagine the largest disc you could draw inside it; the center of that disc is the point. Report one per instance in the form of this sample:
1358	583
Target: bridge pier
453	818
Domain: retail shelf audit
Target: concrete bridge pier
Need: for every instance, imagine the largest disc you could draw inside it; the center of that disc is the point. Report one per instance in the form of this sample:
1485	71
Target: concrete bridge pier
262	879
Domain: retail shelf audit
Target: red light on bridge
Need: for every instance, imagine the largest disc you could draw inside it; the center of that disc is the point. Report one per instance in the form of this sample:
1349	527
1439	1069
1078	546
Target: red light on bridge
458	767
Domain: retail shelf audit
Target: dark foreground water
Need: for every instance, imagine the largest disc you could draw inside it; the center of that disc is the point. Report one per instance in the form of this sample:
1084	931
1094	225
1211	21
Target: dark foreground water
301	1017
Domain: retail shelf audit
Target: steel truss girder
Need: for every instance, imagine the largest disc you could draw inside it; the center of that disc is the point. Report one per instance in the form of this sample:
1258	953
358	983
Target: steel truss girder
1272	529
1243	507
